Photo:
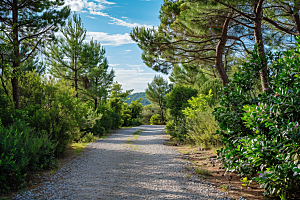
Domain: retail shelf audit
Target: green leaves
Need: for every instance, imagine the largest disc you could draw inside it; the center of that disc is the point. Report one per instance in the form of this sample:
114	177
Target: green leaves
261	131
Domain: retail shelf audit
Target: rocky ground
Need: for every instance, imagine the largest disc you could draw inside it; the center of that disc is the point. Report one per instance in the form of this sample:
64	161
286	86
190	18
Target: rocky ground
126	165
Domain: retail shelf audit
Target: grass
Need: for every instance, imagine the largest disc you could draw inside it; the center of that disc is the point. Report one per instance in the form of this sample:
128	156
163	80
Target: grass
103	137
78	147
224	188
170	143
129	141
135	137
138	132
124	127
202	171
188	176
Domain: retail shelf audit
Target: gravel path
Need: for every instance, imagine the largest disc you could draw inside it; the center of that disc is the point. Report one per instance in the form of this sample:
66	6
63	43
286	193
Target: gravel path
125	166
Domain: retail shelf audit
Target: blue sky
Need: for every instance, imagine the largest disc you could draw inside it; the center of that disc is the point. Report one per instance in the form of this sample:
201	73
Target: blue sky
110	22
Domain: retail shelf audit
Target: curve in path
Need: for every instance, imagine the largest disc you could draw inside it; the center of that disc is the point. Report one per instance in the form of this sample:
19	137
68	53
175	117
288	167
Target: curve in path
125	166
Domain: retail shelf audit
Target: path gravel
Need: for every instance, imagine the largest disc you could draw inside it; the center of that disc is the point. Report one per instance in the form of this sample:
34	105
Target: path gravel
125	166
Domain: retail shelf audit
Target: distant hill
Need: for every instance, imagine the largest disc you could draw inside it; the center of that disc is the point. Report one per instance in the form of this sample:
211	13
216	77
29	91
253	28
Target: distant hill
136	96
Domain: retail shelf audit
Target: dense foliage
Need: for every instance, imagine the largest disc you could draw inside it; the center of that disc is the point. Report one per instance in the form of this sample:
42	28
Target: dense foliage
79	104
23	149
261	131
177	100
201	125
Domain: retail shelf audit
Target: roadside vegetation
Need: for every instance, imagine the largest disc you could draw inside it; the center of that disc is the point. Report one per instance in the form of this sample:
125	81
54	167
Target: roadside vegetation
234	87
234	73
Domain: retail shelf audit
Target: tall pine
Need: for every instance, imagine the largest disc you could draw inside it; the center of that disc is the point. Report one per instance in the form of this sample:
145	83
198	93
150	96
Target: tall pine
26	24
98	78
66	55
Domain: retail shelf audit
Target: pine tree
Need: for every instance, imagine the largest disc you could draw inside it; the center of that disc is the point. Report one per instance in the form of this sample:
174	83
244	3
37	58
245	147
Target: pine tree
26	24
66	55
157	91
98	79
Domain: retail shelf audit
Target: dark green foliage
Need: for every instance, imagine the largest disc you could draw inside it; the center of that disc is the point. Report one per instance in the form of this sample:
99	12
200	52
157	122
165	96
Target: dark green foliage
186	74
155	120
50	106
126	115
97	78
261	132
6	110
137	96
157	91
70	46
148	111
177	100
27	24
22	149
34	65
136	109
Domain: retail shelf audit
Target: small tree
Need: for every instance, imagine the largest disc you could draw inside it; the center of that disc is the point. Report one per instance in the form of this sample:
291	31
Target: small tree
136	108
156	92
66	54
98	79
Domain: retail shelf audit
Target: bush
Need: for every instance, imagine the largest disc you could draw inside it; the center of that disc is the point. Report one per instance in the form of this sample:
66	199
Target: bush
201	124
177	100
148	111
87	138
261	132
136	122
50	106
22	149
155	120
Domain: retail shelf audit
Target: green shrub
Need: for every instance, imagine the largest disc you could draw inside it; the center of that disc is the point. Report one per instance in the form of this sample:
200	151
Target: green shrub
155	120
148	111
22	149
136	122
201	123
87	138
177	100
126	115
261	132
51	106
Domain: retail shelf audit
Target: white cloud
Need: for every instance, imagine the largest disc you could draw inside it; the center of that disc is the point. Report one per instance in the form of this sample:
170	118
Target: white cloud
79	5
134	78
99	13
121	22
134	65
128	50
113	65
96	8
75	5
91	17
106	2
106	39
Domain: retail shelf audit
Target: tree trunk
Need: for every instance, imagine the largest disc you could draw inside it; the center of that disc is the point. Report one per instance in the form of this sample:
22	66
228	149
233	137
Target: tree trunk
16	59
297	22
162	114
220	50
96	103
76	81
296	16
259	42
